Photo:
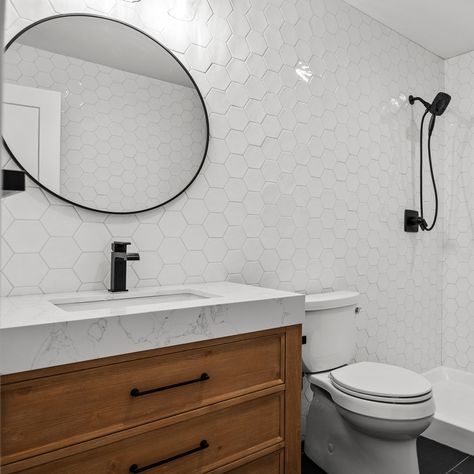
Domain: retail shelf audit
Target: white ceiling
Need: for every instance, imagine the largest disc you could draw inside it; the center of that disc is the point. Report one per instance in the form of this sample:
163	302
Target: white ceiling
444	27
106	42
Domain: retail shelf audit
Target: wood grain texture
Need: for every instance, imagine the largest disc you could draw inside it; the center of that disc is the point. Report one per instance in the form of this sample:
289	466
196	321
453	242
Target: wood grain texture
293	400
117	359
277	449
80	417
49	413
269	464
28	463
231	433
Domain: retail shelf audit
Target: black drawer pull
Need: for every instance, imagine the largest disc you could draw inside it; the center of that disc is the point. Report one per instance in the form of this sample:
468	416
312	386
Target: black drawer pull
202	445
135	392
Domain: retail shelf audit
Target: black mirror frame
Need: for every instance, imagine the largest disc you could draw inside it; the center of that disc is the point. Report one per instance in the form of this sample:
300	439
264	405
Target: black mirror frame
206	147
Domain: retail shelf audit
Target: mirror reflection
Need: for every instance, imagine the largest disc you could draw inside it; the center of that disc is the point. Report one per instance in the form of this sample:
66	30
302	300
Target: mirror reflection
102	115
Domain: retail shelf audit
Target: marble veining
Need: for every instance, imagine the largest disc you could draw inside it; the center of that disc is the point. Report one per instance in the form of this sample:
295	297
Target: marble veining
55	340
33	310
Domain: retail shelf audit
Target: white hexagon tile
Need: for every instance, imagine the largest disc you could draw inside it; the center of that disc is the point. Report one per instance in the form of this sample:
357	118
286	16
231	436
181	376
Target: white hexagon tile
458	293
112	121
311	163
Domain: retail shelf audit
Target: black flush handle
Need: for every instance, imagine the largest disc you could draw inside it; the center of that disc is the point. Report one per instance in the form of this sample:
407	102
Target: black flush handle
135	392
202	445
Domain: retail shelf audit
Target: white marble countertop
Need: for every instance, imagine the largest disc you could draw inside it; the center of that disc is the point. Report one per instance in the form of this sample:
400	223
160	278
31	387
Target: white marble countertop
33	310
35	333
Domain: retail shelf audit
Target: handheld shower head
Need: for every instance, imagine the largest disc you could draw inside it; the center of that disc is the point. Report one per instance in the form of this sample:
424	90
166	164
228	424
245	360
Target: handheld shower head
437	107
440	103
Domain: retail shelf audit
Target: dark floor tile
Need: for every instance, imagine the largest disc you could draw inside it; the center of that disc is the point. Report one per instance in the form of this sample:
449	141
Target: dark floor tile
466	467
433	458
308	467
436	458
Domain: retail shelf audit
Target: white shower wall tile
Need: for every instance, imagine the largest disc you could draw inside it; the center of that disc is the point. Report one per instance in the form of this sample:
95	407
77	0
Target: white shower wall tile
310	166
458	304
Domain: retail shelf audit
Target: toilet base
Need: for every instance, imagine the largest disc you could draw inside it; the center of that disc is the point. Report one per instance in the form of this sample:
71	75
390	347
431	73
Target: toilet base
337	447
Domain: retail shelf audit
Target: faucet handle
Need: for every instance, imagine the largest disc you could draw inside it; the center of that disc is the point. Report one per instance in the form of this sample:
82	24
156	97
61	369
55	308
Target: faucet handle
119	246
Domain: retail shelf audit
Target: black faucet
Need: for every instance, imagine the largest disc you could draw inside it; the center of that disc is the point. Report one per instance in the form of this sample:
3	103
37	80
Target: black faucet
118	266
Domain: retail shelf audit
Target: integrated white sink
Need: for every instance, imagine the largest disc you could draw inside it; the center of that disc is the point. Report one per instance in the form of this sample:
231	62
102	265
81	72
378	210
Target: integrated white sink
125	301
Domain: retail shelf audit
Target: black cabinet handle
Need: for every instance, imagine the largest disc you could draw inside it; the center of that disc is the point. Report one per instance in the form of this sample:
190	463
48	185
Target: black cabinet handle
135	392
202	445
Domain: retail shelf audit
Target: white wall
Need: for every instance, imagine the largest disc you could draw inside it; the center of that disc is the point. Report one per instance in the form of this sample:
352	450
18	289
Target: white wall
305	183
458	317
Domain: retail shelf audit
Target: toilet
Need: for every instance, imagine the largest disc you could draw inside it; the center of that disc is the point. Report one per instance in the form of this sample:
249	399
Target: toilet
364	417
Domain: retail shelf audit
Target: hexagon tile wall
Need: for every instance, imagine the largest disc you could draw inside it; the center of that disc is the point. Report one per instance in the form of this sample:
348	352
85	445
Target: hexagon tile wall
311	164
120	126
458	308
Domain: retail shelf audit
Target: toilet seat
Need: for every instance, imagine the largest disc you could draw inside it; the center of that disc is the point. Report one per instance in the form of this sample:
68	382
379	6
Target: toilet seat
381	382
385	400
377	398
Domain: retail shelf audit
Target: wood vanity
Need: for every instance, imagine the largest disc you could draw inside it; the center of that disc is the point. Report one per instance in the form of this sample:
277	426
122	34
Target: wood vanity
224	405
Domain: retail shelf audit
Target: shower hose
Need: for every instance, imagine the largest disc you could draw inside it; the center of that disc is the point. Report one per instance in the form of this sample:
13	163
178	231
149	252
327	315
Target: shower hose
423	223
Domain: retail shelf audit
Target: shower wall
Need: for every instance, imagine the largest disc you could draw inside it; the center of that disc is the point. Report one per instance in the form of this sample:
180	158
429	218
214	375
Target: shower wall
305	182
306	178
458	294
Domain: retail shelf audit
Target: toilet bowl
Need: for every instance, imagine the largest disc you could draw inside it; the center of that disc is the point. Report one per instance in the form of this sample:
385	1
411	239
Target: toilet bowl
364	417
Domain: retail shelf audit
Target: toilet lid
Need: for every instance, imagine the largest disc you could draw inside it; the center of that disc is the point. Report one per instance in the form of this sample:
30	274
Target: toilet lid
380	380
334	299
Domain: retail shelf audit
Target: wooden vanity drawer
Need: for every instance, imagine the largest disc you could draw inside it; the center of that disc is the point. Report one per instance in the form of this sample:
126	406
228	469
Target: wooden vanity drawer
231	433
87	401
269	464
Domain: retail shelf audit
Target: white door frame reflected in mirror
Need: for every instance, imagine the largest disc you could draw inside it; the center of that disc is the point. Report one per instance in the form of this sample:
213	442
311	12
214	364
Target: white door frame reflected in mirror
33	130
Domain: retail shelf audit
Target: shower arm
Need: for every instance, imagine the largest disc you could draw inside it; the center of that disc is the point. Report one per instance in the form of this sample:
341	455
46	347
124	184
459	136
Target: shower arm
413	99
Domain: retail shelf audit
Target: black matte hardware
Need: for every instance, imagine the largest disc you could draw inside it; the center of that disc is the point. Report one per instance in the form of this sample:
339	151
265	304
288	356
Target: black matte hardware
135	392
13	182
413	221
135	469
436	108
119	246
303	340
412	99
118	266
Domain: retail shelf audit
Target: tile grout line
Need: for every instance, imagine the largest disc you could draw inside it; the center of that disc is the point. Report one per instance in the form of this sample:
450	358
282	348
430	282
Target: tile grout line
458	464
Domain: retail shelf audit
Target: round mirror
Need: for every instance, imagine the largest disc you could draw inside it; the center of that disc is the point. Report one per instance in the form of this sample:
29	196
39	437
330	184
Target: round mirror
102	115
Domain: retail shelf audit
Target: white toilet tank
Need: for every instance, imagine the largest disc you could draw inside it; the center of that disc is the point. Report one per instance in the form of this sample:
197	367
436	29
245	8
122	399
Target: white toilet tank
330	330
